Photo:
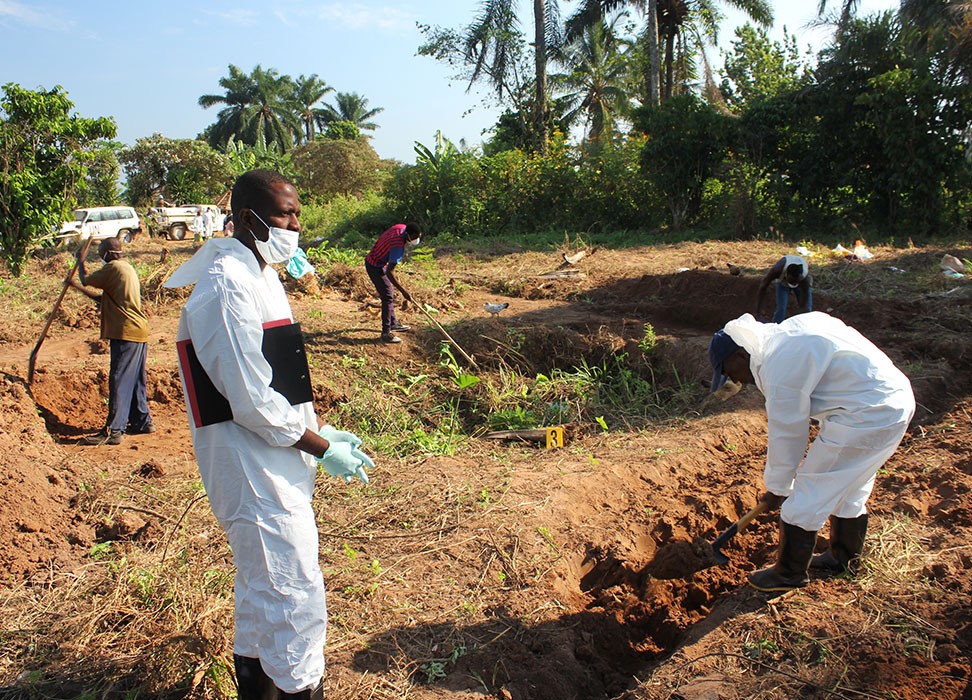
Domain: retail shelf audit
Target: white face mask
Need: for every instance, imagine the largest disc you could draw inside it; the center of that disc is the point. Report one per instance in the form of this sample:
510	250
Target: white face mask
280	246
415	242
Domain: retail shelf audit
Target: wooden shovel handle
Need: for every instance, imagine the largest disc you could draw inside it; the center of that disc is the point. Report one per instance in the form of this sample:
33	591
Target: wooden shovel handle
438	325
757	510
57	305
739	525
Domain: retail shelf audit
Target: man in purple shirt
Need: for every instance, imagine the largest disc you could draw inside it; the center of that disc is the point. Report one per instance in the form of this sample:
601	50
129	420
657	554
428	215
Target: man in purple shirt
380	264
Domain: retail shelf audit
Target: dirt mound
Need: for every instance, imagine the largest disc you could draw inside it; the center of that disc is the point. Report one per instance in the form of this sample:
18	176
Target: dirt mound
38	487
474	568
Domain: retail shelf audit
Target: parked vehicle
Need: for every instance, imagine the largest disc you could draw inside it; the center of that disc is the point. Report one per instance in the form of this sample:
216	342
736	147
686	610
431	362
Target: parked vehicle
102	222
174	222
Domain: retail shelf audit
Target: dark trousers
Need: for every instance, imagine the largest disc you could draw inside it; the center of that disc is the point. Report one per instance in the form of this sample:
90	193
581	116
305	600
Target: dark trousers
386	292
783	299
127	400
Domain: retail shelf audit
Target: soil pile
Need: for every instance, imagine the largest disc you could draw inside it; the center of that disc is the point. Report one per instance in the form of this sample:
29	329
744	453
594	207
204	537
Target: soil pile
506	570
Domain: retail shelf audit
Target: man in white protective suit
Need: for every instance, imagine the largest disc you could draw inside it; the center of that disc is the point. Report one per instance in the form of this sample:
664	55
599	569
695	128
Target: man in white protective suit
815	366
257	439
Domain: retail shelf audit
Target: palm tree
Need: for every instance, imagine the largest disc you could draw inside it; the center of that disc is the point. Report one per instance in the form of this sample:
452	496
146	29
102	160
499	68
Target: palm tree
595	81
257	110
685	26
591	11
308	92
350	107
492	46
694	23
946	23
847	10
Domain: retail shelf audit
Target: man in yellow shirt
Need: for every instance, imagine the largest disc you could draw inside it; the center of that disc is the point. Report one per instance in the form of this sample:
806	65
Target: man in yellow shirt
125	326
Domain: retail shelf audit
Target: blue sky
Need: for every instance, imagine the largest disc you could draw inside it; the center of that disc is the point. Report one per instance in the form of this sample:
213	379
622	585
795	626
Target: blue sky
147	63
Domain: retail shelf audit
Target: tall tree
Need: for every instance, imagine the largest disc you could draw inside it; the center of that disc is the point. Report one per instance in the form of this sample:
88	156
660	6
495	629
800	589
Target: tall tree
847	10
595	79
43	156
591	11
257	109
758	68
491	50
179	170
306	98
691	24
350	107
943	24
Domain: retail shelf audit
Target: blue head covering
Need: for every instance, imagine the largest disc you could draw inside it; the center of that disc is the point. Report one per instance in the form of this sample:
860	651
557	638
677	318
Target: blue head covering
721	347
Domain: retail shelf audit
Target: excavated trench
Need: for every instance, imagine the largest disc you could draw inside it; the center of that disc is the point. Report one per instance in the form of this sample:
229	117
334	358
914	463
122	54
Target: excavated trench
639	597
638	602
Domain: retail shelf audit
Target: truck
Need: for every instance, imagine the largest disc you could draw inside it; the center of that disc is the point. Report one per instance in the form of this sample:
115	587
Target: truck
172	223
101	222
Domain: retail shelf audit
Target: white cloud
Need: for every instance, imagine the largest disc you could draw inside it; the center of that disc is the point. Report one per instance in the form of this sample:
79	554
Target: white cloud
12	12
357	15
239	17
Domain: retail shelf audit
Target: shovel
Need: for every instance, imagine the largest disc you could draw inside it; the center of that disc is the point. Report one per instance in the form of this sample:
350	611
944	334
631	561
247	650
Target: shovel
718	558
57	304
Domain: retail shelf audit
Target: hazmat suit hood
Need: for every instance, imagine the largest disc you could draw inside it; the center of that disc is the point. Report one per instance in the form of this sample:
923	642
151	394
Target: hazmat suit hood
753	337
815	366
194	268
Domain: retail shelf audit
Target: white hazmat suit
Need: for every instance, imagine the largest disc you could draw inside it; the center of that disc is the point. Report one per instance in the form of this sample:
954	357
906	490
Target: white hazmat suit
259	486
815	366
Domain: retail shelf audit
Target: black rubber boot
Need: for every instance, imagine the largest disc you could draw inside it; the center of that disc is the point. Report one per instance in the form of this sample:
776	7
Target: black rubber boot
790	569
316	693
251	681
846	542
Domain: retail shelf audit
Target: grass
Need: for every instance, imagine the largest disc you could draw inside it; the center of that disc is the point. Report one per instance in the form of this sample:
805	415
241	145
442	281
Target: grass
433	556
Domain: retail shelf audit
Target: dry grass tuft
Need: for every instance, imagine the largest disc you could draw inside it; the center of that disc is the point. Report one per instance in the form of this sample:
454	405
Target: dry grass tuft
151	616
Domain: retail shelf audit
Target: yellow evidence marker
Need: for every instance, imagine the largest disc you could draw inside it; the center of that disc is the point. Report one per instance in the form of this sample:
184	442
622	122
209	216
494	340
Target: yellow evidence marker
555	437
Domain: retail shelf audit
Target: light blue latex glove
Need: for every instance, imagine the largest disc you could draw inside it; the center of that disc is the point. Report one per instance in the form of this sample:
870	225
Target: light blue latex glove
345	462
332	434
298	266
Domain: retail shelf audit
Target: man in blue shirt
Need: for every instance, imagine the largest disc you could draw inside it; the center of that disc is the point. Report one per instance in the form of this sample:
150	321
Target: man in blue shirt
380	264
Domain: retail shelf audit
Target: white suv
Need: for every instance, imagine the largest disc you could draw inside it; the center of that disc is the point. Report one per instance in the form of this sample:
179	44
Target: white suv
102	222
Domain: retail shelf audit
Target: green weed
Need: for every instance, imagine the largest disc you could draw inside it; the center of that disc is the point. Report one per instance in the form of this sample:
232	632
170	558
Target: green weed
649	341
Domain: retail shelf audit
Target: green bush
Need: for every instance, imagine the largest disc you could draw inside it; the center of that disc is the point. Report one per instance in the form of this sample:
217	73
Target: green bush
565	189
346	220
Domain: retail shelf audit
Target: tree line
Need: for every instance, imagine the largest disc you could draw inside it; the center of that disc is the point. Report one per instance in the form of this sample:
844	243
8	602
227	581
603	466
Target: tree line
873	132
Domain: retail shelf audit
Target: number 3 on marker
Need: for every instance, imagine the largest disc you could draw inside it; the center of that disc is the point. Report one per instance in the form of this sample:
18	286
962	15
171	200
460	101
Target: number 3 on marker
555	437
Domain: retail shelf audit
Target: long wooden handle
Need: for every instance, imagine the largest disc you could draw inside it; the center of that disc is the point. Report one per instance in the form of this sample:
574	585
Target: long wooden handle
755	511
446	334
739	525
57	305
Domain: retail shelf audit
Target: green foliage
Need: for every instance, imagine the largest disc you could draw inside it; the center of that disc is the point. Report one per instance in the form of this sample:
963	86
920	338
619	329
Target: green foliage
877	138
179	170
348	220
649	341
687	141
459	378
327	167
352	108
307	94
100	186
342	129
566	188
244	157
439	192
327	254
513	418
259	110
757	69
44	152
